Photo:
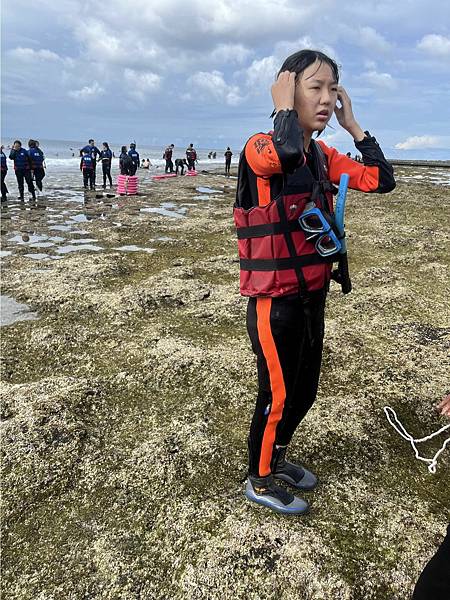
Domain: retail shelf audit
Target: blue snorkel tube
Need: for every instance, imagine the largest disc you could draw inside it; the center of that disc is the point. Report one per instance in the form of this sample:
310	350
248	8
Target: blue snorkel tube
341	274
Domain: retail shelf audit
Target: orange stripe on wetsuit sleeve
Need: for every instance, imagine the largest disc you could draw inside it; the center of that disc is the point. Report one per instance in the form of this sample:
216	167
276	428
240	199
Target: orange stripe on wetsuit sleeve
263	306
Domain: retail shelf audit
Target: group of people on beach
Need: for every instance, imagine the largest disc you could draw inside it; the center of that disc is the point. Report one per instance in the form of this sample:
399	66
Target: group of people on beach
29	167
191	159
29	164
129	162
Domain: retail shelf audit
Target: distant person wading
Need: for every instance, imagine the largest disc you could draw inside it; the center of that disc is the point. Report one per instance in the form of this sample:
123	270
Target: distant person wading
228	154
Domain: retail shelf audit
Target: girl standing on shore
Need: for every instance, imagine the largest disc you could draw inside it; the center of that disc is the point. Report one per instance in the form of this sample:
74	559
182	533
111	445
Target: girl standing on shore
285	272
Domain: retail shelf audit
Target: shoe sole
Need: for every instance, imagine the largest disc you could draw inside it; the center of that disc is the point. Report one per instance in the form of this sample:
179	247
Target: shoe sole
278	509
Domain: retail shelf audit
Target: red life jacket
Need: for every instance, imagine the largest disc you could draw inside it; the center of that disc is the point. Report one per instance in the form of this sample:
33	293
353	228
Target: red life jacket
276	259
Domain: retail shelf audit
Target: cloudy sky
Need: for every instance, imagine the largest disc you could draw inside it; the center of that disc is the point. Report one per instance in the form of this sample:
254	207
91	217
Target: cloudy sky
180	71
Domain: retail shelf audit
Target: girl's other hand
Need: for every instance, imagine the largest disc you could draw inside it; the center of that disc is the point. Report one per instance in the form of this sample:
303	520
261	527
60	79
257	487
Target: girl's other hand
344	114
444	406
283	91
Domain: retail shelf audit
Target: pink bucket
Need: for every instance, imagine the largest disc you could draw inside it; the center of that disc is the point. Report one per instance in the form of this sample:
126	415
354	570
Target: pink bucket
127	184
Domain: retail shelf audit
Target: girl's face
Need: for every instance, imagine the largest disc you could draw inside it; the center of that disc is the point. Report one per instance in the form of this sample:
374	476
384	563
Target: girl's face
315	97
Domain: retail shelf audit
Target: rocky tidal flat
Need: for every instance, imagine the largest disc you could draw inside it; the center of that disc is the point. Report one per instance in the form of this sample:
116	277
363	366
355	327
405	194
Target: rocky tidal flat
126	402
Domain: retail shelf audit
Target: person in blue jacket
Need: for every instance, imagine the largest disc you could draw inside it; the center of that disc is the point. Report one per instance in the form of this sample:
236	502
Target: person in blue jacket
87	168
106	159
94	152
134	155
4	168
22	167
37	162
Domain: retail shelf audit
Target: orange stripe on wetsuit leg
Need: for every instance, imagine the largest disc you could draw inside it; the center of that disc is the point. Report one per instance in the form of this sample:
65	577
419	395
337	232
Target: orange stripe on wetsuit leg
263	306
263	186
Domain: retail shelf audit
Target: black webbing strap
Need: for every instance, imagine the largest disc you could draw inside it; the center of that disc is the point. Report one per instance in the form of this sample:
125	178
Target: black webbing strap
257	231
282	264
291	246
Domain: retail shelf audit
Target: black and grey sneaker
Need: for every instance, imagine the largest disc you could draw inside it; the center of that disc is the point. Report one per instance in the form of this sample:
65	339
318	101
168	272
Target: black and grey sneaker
263	490
293	474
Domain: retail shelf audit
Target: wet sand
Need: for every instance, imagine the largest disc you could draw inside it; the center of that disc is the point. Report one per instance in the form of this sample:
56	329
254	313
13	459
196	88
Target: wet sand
126	404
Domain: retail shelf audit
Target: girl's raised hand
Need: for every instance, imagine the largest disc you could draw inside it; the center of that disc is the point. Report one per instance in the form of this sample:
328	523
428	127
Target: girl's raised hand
344	114
283	91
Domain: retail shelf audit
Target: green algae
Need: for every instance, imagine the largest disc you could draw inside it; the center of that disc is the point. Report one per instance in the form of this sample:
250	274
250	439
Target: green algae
127	404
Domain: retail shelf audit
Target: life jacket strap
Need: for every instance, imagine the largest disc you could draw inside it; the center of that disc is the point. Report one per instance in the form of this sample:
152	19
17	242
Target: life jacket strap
283	264
257	231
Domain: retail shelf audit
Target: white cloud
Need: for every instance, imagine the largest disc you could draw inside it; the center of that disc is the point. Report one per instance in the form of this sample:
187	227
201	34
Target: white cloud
419	142
28	54
87	92
435	45
139	84
213	84
226	53
380	80
262	73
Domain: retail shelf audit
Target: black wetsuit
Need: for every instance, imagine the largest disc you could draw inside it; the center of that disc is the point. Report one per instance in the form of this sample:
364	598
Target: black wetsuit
191	156
134	155
106	158
126	164
94	152
88	170
4	171
168	158
434	582
22	167
37	162
179	164
228	154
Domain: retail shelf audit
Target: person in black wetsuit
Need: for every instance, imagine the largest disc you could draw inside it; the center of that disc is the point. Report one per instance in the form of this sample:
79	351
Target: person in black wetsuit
134	155
22	167
228	154
180	163
168	158
191	156
125	162
94	152
37	162
88	169
106	159
4	168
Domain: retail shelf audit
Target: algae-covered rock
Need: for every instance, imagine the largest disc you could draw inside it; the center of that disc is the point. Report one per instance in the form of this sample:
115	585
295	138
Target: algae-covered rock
126	408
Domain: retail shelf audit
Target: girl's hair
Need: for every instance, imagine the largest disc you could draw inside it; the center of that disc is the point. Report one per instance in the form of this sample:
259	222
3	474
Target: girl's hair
31	143
298	62
124	149
106	145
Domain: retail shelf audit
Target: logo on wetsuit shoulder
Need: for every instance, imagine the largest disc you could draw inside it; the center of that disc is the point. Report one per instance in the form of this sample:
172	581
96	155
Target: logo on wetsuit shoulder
260	144
267	411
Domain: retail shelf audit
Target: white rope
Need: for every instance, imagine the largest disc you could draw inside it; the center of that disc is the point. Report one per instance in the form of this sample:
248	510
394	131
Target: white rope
432	462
